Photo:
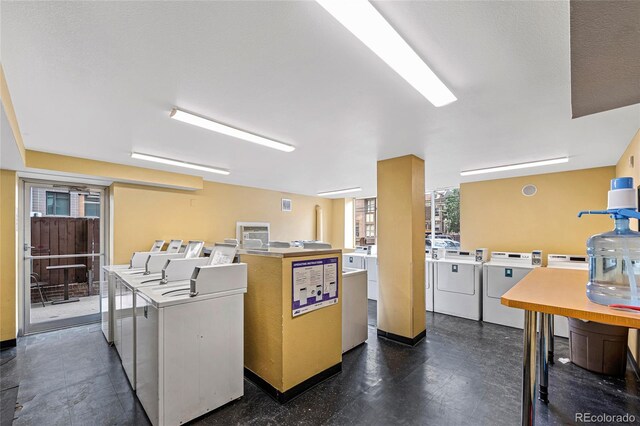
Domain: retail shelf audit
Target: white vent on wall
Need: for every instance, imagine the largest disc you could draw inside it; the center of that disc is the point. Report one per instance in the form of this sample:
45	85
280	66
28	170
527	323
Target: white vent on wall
286	205
529	190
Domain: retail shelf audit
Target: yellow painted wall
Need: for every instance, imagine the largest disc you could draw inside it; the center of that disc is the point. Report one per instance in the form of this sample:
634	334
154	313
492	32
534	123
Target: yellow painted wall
8	260
401	260
625	168
111	171
7	104
338	215
343	223
143	214
494	213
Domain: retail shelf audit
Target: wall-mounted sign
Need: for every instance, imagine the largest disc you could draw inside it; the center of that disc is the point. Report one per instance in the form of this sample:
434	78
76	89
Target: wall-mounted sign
314	284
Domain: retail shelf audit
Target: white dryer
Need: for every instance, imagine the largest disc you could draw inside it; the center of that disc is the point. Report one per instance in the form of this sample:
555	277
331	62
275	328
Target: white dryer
565	261
372	276
502	272
354	260
458	283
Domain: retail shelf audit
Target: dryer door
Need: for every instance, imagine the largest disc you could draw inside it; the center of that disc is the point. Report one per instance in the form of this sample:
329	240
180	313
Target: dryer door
502	278
456	277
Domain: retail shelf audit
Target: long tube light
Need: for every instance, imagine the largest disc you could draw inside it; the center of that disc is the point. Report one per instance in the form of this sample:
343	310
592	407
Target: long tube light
366	23
515	166
339	191
169	161
205	123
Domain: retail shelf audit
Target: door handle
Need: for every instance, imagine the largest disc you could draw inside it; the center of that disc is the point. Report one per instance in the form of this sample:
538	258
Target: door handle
27	247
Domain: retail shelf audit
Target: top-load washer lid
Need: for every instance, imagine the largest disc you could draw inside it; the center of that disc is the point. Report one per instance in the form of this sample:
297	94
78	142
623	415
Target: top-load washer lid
222	254
174	246
157	246
568	261
206	282
193	249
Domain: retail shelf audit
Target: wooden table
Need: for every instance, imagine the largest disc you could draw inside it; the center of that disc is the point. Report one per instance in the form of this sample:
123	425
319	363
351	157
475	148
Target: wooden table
65	270
551	292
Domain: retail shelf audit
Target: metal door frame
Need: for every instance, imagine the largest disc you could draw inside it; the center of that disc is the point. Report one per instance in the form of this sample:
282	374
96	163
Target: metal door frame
24	239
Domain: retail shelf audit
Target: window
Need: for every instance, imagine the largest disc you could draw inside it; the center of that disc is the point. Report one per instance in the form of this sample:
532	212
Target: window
370	205
92	206
445	223
58	204
370	231
365	221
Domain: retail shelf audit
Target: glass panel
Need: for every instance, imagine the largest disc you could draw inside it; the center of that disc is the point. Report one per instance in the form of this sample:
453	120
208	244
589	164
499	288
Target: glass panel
62	291
365	221
62	204
50	203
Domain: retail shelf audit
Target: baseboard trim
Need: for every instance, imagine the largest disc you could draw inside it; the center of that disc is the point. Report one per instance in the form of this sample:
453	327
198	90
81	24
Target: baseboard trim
284	397
401	339
7	344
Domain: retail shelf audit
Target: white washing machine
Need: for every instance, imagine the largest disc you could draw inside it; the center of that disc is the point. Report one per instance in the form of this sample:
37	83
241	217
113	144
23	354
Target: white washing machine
457	286
354	308
190	344
502	272
129	283
565	261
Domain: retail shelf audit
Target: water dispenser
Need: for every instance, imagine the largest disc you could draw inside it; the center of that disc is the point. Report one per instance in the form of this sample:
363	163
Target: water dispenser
614	257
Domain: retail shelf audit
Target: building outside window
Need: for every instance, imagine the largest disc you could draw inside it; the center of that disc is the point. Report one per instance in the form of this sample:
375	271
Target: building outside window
445	223
92	206
58	204
365	220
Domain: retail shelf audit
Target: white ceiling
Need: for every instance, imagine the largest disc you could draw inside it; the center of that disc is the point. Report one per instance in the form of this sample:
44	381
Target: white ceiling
98	79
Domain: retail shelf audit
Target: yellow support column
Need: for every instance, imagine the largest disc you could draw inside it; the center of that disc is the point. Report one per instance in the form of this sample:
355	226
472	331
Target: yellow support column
401	258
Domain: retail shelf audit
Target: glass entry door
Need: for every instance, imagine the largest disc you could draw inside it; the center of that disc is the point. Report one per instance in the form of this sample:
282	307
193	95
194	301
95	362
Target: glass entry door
64	245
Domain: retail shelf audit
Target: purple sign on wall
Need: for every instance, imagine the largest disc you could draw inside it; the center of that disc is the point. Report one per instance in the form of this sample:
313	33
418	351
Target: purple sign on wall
314	284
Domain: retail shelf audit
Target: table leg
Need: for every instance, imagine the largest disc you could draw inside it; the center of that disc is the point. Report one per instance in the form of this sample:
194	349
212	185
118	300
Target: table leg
66	284
542	358
529	369
552	333
65	298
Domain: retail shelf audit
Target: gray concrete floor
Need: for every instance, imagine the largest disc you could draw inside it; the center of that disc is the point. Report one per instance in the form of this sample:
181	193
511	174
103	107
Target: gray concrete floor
86	305
464	373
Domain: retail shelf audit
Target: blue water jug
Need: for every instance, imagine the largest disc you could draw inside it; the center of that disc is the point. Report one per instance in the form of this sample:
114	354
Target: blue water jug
614	257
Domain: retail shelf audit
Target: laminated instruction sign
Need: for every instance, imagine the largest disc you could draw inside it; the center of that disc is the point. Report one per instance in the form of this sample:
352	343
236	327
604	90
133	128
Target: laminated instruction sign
315	284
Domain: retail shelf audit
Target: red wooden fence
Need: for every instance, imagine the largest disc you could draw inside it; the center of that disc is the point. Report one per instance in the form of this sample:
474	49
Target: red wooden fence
52	235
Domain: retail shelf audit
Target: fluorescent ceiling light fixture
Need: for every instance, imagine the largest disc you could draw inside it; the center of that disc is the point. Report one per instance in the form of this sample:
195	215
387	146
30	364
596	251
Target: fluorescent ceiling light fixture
169	161
366	23
339	191
515	166
205	123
